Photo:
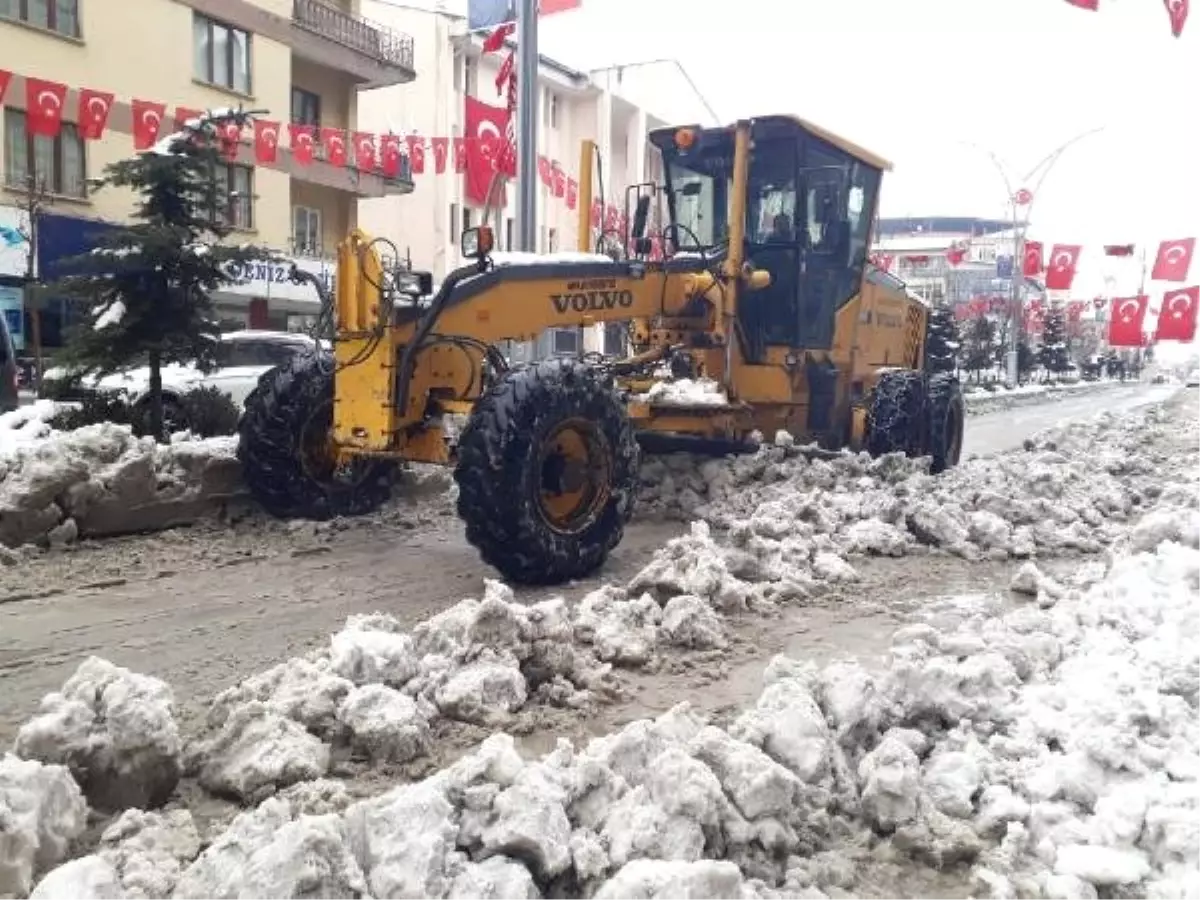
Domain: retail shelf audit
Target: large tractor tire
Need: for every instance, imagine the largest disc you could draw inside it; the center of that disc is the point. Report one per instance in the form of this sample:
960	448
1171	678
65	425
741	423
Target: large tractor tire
897	421
286	456
947	420
547	472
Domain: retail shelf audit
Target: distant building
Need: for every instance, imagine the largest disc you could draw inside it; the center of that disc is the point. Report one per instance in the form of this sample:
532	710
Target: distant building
917	250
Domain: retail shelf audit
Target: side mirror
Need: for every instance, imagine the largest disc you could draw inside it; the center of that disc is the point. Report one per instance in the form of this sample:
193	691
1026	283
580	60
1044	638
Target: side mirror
477	243
640	215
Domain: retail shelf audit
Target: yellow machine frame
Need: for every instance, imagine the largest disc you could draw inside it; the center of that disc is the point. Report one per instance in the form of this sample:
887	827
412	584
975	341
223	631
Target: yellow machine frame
371	419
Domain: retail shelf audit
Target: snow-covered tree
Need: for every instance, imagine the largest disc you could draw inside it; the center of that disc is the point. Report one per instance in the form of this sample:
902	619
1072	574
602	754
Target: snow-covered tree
148	283
1052	355
942	341
979	345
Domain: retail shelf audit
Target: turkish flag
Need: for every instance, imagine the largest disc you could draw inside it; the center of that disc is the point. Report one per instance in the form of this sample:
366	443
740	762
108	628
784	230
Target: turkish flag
550	7
364	151
496	39
1174	260
544	171
44	106
230	136
94	107
460	155
441	149
389	155
1093	5
1177	318
5	78
955	255
1178	11
1125	319
147	122
416	153
1035	315
1060	268
334	142
303	140
1033	259
1075	310
572	193
485	127
560	180
266	141
184	114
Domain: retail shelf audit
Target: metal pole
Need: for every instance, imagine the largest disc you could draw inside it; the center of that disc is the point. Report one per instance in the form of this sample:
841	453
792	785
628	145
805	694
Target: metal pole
527	132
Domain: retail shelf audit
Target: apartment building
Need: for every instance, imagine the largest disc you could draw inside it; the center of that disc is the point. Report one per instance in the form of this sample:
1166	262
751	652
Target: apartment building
572	106
299	60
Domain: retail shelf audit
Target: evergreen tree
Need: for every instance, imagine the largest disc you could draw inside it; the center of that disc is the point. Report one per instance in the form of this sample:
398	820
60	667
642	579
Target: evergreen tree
1052	355
148	283
979	352
942	340
1026	359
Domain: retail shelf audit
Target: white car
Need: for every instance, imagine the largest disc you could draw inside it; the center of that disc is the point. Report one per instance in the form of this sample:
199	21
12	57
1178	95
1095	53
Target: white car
241	357
1193	380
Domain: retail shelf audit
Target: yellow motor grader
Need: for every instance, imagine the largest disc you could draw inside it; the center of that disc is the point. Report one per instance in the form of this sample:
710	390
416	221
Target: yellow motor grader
765	295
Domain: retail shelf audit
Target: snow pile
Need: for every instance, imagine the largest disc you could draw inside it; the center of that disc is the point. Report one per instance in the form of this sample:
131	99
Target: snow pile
790	514
115	730
41	812
377	688
100	479
685	392
980	401
25	425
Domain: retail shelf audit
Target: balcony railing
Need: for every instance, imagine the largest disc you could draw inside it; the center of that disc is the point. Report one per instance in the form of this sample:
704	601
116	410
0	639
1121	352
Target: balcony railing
376	41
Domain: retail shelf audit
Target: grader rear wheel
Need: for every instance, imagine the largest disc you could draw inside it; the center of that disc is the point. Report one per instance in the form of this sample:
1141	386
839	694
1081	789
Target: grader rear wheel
947	419
547	473
897	421
287	459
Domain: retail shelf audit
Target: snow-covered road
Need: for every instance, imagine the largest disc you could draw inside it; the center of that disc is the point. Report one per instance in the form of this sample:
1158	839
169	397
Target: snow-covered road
208	605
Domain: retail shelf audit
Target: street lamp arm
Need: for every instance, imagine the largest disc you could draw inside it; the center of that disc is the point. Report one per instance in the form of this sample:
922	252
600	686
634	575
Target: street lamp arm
1053	156
995	162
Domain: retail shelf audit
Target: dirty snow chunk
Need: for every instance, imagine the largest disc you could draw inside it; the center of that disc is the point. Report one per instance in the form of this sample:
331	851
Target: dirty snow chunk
42	811
300	689
531	823
25	425
366	655
403	840
149	850
759	786
115	730
384	723
496	878
482	692
787	723
651	879
688	621
890	779
1102	866
1179	525
832	567
686	392
266	853
622	631
876	537
256	752
1031	581
692	564
86	878
951	780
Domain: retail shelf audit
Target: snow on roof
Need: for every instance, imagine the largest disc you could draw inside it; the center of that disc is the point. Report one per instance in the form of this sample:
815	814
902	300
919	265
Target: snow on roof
521	258
929	243
263	334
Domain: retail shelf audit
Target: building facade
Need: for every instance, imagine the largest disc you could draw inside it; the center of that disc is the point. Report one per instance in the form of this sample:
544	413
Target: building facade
297	60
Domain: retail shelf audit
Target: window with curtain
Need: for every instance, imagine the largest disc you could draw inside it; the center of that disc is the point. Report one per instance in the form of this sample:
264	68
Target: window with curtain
61	16
235	184
221	54
58	163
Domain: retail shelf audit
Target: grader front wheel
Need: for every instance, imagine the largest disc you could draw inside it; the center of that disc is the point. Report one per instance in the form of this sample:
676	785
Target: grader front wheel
287	460
547	473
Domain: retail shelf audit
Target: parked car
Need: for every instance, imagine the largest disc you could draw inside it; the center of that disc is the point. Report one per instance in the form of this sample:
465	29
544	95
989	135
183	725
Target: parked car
10	397
241	357
1193	380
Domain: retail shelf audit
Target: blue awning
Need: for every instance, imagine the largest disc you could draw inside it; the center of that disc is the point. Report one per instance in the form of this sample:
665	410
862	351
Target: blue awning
62	237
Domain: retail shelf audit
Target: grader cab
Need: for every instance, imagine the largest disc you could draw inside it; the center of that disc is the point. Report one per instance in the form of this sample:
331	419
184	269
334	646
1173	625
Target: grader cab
765	296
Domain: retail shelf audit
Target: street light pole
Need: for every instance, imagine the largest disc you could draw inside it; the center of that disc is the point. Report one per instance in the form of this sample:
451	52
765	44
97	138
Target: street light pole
527	112
1041	170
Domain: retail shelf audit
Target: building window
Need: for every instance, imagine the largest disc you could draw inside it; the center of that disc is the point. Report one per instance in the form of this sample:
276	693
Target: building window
508	234
466	219
552	242
306	107
235	190
222	54
306	231
465	74
61	16
454	232
57	163
550	110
